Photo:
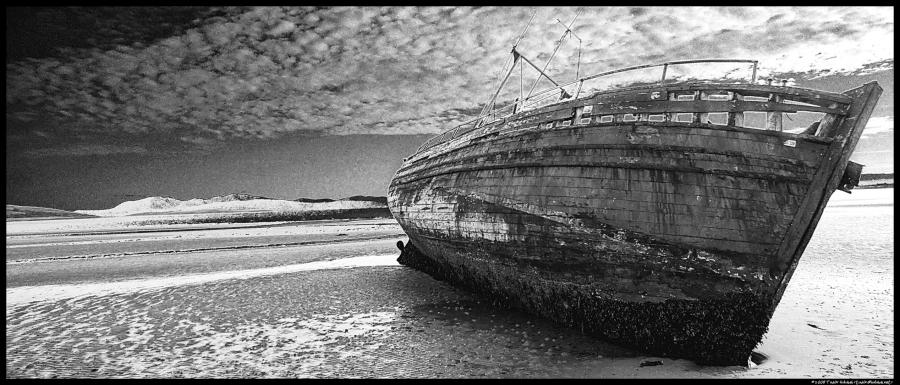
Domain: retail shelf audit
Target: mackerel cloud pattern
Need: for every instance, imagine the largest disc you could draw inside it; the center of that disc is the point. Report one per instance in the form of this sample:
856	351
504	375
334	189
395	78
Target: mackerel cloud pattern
264	72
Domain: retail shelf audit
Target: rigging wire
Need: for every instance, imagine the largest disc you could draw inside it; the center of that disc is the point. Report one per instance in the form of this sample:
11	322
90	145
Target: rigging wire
522	35
521	83
555	50
488	106
578	66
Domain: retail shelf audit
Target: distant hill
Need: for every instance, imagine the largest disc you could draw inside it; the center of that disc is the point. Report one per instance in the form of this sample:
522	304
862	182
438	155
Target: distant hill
876	180
235	197
27	212
232	203
356	198
366	198
311	200
867	177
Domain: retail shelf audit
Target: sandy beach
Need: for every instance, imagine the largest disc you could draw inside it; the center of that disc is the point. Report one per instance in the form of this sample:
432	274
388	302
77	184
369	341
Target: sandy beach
323	299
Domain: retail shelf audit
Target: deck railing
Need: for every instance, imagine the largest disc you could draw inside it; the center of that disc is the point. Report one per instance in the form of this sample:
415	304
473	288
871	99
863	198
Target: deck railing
566	91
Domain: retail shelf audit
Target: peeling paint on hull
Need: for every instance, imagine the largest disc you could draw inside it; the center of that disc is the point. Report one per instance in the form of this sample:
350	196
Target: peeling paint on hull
677	239
607	282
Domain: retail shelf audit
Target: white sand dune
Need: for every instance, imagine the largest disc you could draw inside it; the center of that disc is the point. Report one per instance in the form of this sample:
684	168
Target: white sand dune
31	212
172	205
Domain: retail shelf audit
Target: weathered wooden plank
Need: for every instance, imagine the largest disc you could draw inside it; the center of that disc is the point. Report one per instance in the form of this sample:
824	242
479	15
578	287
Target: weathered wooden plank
668	131
736	118
774	202
519	252
495	149
600	154
827	179
774	117
698	106
615	165
720	228
757	211
698	235
713	238
638	93
799	138
500	155
816	97
730	165
826	102
700	217
688	185
827	125
725	140
712	223
608	154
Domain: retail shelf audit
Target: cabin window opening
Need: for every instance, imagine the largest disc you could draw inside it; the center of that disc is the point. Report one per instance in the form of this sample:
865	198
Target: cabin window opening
657	118
801	122
687	97
719	97
587	110
585	121
565	123
719	118
684	117
629	118
756	99
606	119
755	119
548	125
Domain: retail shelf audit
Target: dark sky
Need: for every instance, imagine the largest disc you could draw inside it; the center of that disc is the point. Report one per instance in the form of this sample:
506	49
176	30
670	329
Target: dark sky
289	168
112	104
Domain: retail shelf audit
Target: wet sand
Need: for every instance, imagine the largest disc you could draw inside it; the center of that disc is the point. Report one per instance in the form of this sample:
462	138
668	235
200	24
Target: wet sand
327	299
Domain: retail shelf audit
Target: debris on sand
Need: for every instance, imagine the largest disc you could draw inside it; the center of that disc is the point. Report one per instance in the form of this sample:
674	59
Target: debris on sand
758	358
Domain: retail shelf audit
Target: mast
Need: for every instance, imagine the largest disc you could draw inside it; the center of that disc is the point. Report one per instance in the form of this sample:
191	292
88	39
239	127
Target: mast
555	50
490	105
541	71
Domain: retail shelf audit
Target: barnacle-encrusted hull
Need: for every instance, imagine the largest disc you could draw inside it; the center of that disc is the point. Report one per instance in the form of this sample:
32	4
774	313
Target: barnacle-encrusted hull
675	238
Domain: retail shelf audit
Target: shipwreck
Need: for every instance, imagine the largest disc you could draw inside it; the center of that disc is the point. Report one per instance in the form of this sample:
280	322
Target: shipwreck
654	216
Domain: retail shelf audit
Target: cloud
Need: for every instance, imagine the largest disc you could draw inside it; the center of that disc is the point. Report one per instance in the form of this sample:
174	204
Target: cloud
269	71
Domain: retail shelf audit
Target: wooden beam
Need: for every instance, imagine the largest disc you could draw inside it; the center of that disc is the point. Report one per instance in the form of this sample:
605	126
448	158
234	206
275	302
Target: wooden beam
774	119
736	118
815	97
490	104
803	95
705	106
824	183
827	125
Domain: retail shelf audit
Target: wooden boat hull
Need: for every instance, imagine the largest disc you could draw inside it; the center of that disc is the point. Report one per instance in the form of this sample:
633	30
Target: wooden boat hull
665	236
